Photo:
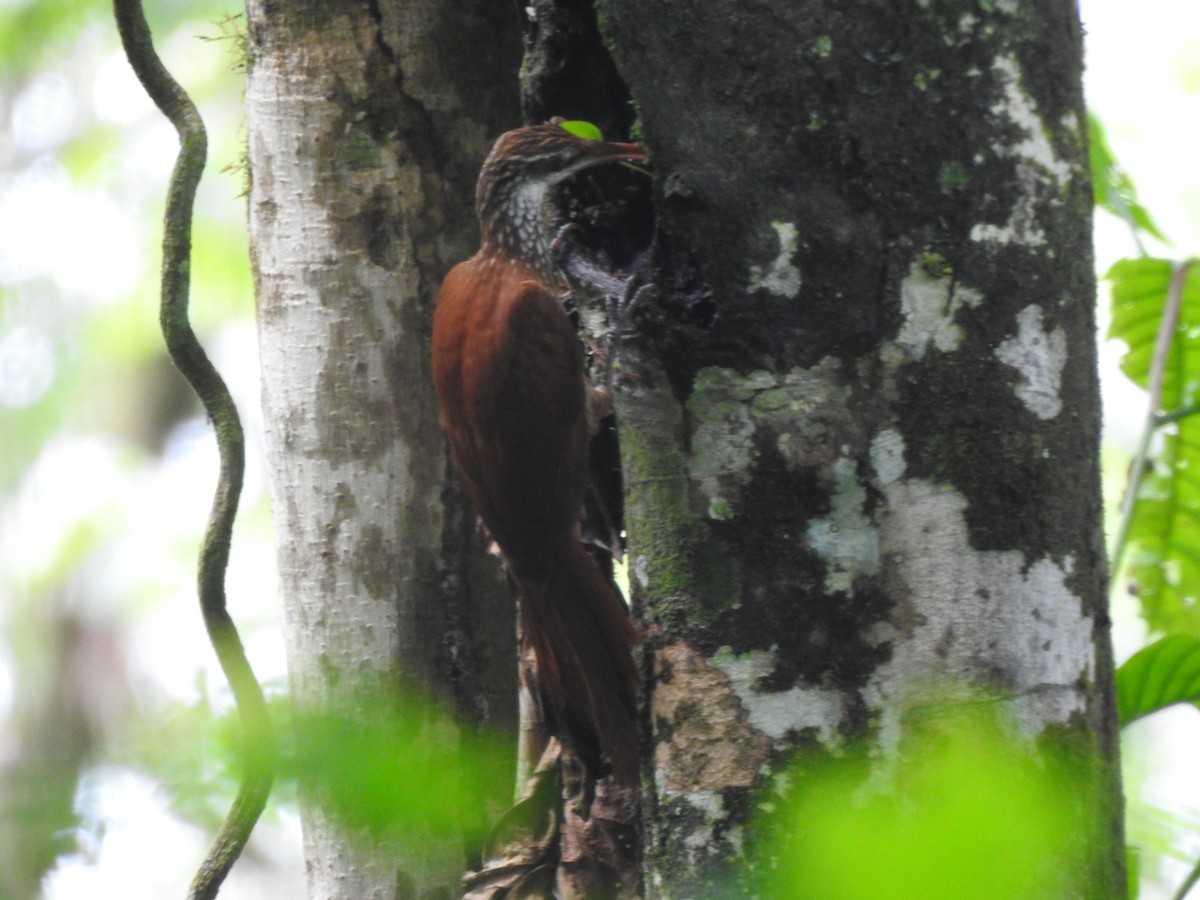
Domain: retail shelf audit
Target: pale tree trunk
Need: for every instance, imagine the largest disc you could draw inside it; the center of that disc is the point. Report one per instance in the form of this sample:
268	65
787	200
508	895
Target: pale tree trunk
366	125
860	430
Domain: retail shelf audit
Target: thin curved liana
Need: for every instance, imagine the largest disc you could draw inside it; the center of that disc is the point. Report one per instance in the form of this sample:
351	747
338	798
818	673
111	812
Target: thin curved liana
189	357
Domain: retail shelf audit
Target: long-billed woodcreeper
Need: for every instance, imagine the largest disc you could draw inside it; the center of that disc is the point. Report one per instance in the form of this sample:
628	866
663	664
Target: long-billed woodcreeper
508	367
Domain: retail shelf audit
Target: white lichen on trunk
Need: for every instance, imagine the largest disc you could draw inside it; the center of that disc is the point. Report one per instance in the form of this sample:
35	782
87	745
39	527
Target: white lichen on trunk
1039	356
781	277
728	409
887	455
846	539
930	305
1041	173
994	621
776	713
1018	107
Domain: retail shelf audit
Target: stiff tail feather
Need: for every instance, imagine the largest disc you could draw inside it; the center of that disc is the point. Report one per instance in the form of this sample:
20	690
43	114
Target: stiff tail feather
582	638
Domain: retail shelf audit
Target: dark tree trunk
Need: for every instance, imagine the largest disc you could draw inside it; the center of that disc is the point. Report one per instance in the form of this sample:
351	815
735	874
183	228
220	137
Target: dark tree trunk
860	431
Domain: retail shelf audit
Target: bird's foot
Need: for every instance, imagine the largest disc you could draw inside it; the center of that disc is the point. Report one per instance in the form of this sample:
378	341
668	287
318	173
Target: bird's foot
595	284
619	306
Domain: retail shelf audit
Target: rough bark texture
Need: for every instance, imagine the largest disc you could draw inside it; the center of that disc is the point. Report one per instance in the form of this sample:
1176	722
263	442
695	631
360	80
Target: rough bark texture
367	126
860	423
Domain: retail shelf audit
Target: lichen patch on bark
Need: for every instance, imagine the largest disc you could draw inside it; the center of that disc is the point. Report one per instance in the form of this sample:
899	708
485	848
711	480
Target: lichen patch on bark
776	713
1042	175
845	538
1040	357
1020	109
887	455
781	277
1036	656
930	305
734	415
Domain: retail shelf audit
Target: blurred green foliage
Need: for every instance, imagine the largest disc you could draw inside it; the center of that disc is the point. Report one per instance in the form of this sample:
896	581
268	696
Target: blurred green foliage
966	809
378	762
107	353
1163	534
382	762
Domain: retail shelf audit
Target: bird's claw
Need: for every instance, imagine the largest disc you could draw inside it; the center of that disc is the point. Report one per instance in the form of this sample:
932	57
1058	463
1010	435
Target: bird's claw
560	245
618	308
620	293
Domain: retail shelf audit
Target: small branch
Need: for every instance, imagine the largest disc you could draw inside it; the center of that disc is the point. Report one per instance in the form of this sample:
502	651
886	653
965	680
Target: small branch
1188	883
1176	415
191	360
1158	368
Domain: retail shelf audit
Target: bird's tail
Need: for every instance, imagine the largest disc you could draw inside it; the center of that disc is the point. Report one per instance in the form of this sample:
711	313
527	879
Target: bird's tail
582	638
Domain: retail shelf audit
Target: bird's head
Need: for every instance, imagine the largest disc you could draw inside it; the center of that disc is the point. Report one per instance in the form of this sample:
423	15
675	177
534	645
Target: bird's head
521	168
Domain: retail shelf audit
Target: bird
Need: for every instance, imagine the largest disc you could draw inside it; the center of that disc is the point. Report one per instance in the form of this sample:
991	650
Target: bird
508	370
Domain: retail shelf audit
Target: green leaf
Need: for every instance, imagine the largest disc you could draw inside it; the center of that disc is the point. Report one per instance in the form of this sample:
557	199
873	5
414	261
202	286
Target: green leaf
1161	675
1164	534
582	129
1139	288
1112	187
374	762
379	762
